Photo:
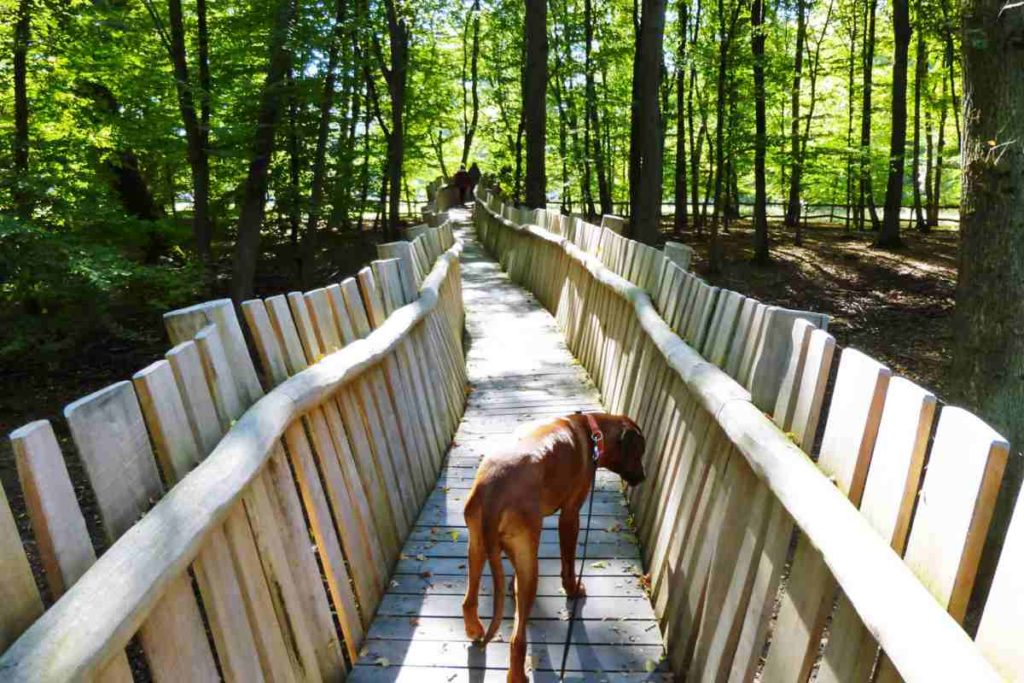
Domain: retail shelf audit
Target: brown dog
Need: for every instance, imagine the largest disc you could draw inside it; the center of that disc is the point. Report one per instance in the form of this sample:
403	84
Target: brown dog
549	468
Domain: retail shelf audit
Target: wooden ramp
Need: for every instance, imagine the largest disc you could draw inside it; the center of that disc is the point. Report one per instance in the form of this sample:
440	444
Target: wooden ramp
519	370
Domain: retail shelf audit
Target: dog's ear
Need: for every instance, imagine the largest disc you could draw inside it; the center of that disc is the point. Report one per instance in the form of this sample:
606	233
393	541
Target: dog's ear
632	441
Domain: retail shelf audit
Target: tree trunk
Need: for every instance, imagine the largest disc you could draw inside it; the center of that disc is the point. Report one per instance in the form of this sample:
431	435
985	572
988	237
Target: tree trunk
470	126
646	148
988	353
724	39
195	137
680	223
793	205
253	208
535	81
761	245
866	185
940	147
21	182
604	192
849	125
890	234
696	141
303	262
920	74
396	77
316	189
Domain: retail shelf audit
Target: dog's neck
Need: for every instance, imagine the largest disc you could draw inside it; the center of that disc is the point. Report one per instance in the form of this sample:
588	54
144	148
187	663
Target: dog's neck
596	439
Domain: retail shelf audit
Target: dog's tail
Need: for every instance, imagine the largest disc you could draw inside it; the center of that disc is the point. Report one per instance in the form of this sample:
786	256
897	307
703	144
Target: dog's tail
498	594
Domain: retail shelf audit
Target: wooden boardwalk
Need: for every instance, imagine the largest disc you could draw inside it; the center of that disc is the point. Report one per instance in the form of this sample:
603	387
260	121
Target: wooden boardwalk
519	370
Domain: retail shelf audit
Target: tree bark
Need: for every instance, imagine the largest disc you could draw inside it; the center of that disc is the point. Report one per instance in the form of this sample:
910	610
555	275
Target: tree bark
316	188
396	78
471	124
890	233
920	74
535	79
793	205
646	149
21	182
988	353
195	138
761	245
680	223
253	209
604	192
725	28
866	194
849	125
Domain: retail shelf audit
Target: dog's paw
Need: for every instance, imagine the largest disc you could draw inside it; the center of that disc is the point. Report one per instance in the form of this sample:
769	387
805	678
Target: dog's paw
575	589
475	630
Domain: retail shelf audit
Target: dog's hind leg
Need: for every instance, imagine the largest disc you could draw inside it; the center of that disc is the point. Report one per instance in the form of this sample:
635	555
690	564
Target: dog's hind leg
477	556
522	552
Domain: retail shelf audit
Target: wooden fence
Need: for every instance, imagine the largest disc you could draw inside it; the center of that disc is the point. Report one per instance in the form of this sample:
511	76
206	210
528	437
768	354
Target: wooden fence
252	535
889	522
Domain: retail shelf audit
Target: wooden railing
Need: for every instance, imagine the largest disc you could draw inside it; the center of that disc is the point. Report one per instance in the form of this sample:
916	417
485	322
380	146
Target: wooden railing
255	522
728	392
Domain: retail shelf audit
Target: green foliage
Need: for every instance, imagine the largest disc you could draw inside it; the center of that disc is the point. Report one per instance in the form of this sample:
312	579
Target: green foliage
59	290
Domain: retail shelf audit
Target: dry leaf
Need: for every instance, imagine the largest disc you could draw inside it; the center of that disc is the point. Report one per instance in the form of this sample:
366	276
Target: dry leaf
383	662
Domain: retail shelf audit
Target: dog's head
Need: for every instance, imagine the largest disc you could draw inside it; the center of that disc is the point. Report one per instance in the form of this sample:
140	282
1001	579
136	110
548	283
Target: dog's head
625	452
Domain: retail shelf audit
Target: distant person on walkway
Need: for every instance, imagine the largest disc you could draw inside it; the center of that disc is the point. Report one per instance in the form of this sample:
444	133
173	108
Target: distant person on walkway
463	181
474	179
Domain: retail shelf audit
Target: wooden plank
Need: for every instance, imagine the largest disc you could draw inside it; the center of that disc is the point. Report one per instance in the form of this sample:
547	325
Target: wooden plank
20	604
999	633
252	531
63	540
183	324
112	441
345	497
846	449
890	493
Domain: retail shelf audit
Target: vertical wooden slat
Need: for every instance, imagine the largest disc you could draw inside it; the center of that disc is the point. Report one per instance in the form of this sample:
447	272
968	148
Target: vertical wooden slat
953	512
20	604
846	449
112	441
888	502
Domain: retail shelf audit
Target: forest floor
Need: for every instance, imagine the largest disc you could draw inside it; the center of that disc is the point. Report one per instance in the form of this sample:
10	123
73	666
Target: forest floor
895	305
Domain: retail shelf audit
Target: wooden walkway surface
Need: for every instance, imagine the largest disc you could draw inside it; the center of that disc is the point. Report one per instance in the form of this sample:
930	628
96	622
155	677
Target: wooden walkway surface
519	370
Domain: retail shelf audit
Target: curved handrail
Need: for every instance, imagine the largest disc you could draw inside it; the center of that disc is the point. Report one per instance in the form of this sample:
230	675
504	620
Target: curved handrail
921	639
104	609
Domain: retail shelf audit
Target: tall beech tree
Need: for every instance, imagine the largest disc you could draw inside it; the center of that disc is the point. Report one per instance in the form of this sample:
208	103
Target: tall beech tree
535	81
646	150
988	354
254	193
761	245
890	233
22	192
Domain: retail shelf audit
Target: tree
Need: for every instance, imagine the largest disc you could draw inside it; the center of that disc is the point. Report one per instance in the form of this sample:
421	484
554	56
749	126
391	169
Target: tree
761	245
988	354
920	74
593	128
646	148
535	80
254	193
469	124
680	222
196	132
726	29
22	35
793	206
396	76
866	192
890	233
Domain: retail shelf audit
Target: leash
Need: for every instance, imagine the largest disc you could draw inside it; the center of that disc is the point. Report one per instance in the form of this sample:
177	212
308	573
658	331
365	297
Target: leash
597	449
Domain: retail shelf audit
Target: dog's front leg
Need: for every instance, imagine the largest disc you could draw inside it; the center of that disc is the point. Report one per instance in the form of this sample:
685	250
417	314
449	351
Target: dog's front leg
568	534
